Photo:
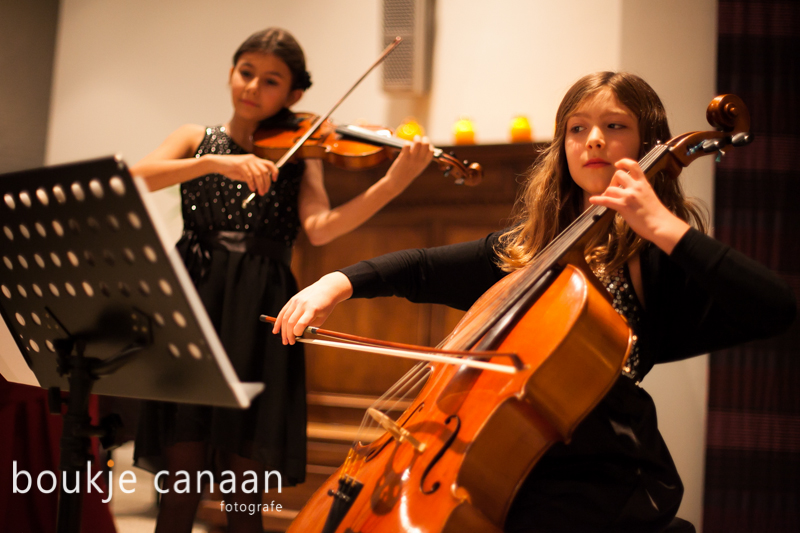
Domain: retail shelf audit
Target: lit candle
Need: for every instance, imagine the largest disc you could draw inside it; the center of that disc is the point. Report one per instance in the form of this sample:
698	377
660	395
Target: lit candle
464	132
409	129
521	130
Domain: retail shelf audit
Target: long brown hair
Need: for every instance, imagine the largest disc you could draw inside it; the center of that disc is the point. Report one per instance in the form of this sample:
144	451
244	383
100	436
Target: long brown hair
551	199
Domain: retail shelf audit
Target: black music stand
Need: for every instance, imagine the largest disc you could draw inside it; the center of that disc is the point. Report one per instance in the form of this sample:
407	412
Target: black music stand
89	289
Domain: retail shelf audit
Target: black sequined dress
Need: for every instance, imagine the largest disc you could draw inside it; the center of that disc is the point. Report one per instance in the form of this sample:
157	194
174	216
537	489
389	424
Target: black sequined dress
238	259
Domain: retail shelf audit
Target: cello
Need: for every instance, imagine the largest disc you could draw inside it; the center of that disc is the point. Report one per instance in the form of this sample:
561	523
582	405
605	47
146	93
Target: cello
456	457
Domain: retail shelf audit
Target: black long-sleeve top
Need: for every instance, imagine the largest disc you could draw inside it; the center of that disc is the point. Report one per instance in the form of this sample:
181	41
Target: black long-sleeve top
616	473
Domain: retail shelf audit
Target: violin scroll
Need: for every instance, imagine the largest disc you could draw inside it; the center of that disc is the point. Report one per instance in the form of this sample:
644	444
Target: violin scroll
465	173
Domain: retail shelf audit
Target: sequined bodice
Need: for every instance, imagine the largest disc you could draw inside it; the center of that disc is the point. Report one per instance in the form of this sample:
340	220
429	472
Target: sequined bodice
214	202
626	303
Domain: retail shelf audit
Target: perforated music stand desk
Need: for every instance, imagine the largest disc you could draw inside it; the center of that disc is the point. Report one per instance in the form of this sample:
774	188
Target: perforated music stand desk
89	286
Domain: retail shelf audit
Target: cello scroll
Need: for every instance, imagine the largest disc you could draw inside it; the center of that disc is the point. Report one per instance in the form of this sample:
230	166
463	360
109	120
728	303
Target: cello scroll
729	115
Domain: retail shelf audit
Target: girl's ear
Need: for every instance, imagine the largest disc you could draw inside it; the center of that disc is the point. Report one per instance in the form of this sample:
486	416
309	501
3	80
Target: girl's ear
294	97
230	74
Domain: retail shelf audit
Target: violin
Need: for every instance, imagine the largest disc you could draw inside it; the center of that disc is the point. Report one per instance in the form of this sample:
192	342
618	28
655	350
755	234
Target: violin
312	136
348	147
454	460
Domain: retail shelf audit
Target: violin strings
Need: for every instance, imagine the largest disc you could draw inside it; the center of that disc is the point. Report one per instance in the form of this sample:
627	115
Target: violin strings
366	135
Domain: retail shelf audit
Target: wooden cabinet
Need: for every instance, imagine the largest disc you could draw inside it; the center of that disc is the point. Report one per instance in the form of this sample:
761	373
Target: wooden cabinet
431	212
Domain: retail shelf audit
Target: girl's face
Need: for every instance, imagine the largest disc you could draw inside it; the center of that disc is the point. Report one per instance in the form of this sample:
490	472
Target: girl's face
261	85
600	132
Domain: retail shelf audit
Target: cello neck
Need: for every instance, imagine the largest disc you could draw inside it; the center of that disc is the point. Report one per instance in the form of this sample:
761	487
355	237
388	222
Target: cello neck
576	233
567	247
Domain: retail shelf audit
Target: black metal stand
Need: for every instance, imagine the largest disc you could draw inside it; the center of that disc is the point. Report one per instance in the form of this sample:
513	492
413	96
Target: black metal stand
75	436
82	373
89	289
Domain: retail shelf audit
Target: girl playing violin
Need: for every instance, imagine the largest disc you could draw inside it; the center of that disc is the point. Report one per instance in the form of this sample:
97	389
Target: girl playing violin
239	259
682	292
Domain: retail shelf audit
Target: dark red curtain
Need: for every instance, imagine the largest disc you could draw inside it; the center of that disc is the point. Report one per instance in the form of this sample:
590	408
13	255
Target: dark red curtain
753	440
30	436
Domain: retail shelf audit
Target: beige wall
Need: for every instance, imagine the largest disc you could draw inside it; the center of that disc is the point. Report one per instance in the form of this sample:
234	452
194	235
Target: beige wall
676	53
27	40
129	72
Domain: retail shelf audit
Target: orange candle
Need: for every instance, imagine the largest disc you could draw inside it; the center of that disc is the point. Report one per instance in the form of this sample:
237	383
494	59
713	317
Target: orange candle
521	130
464	132
409	129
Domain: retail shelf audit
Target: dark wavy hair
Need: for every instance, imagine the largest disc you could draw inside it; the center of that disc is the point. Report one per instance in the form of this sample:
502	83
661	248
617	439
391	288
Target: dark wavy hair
551	199
282	44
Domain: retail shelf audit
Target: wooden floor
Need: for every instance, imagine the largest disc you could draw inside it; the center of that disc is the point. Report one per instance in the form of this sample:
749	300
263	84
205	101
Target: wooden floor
136	512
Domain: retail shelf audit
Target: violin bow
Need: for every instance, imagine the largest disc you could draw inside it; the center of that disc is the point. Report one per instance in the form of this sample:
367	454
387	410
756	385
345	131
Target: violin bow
313	129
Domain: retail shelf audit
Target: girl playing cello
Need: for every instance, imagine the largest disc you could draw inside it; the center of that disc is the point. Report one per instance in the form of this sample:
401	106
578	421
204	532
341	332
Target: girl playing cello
682	293
239	261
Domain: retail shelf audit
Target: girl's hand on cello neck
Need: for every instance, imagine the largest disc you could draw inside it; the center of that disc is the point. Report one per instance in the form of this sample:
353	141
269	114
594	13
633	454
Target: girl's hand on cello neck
632	196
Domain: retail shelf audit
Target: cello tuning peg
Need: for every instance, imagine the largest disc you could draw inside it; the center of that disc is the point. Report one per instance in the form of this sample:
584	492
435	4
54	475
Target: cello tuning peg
719	156
447	172
712	145
741	139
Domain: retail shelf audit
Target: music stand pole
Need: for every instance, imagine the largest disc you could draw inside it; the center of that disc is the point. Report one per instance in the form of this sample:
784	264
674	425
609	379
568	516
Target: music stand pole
75	436
77	429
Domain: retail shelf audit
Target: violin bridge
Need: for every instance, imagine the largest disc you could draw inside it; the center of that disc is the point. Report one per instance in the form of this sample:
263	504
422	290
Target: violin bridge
400	434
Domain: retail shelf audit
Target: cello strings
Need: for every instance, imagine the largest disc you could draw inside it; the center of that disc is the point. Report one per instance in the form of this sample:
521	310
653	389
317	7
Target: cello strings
544	261
401	389
584	222
410	386
398	389
550	254
566	240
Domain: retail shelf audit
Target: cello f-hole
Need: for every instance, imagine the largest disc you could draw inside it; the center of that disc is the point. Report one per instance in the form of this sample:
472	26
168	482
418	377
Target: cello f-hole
439	455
